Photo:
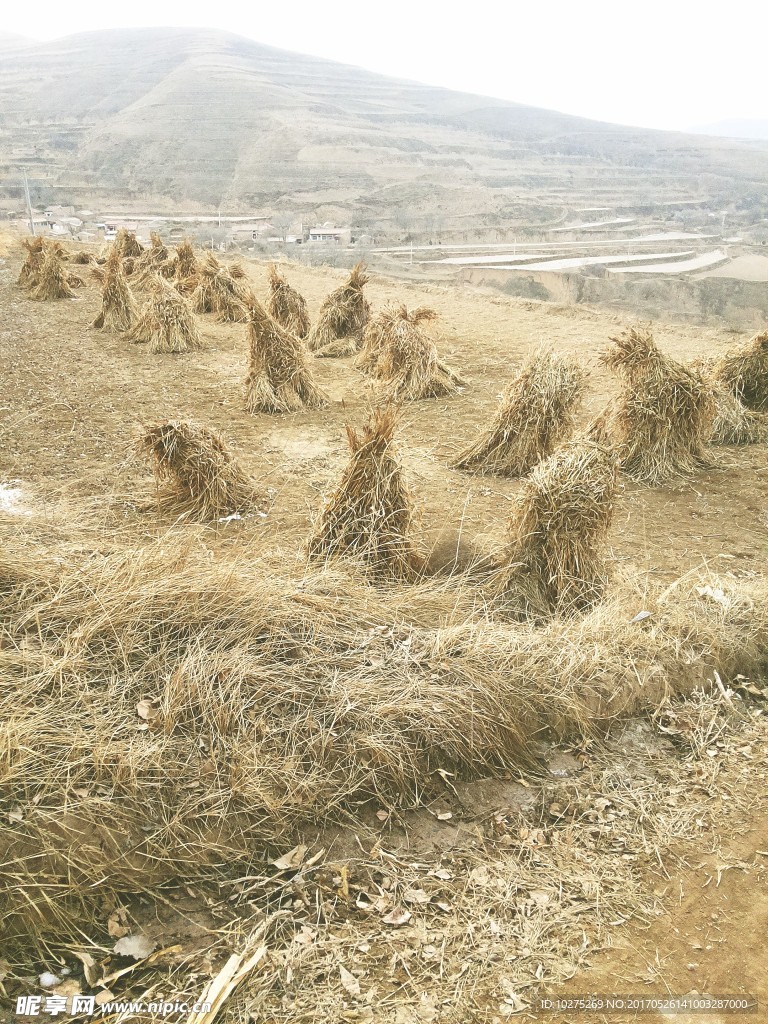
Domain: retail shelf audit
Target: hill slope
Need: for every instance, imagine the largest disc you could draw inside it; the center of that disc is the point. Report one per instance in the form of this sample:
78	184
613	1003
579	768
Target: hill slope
185	116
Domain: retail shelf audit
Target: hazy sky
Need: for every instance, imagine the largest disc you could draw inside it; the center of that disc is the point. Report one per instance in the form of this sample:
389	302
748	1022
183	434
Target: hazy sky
671	64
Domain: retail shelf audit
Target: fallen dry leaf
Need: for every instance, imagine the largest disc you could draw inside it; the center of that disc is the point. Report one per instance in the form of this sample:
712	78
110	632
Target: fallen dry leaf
397	917
416	896
137	946
146	709
118	923
90	970
349	981
292	860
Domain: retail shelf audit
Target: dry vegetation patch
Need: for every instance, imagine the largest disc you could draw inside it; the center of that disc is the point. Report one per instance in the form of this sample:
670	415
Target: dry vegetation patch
338	330
197	475
166	323
662	421
535	413
744	372
279	377
286	305
398	351
369	514
177	719
118	306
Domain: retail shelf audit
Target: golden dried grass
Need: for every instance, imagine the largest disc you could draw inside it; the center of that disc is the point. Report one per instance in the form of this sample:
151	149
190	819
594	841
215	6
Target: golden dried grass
185	264
734	423
400	353
368	516
744	372
118	306
197	474
536	413
127	244
170	716
166	322
279	378
663	418
342	317
52	278
555	560
286	305
217	292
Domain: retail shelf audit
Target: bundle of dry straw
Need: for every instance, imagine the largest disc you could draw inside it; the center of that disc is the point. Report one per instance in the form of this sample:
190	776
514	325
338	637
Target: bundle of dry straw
744	372
664	415
535	414
555	559
217	292
167	322
286	305
197	475
185	265
399	352
127	244
369	514
29	275
734	423
279	702
279	378
53	280
154	261
338	330
118	307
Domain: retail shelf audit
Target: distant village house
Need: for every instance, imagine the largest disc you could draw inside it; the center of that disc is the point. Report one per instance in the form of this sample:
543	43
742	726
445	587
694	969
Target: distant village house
328	233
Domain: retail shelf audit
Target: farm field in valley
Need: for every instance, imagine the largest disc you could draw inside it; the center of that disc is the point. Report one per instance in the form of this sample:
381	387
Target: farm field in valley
625	859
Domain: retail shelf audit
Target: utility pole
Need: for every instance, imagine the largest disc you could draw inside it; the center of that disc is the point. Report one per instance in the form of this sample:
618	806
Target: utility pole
29	203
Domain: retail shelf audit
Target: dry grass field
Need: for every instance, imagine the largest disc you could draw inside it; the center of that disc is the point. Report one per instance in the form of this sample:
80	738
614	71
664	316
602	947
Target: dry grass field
393	800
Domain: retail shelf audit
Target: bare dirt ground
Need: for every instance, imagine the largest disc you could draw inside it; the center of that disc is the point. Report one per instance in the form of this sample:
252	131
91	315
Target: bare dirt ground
74	398
702	942
688	890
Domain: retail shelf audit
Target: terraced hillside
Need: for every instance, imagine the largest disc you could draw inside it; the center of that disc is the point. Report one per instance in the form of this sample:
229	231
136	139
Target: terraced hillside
187	117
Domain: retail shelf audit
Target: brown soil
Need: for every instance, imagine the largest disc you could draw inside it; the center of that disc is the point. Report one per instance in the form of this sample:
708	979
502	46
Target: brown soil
706	940
73	399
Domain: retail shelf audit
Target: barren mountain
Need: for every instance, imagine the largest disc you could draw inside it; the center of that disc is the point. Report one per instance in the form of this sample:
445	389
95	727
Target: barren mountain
189	117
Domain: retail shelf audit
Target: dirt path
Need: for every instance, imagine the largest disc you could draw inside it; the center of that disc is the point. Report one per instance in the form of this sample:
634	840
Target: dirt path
710	940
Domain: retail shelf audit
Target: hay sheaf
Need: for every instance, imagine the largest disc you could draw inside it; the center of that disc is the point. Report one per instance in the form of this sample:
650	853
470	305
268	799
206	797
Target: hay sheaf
83	259
555	560
217	292
279	378
286	305
663	418
118	306
221	704
185	263
53	279
400	353
126	243
536	413
155	261
197	474
29	275
342	317
368	516
167	323
734	423
744	372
